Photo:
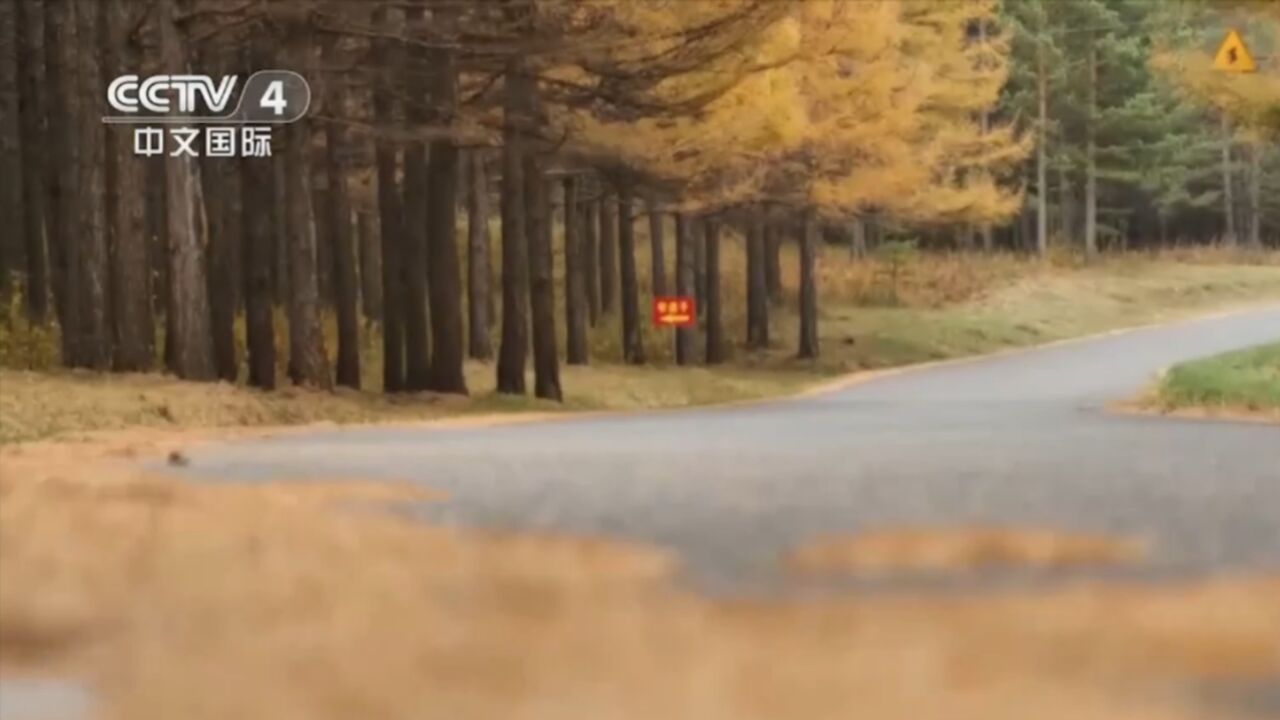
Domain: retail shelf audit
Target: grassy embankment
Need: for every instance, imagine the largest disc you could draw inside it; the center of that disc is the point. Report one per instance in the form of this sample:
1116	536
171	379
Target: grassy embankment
940	306
1241	383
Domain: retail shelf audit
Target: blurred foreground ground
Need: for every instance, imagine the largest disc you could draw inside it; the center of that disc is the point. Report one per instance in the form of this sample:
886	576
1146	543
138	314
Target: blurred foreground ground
307	601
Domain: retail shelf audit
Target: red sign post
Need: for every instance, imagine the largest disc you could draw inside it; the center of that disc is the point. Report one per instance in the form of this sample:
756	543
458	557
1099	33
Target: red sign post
674	311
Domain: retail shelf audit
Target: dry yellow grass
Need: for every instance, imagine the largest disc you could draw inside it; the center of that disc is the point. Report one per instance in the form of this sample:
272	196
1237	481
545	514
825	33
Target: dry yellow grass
961	549
947	306
285	601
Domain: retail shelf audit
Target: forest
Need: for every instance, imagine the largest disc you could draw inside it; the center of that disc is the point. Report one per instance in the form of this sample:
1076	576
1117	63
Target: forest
512	181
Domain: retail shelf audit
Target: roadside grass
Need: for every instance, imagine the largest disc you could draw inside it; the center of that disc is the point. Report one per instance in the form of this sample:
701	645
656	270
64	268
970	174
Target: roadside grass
941	305
1244	380
282	600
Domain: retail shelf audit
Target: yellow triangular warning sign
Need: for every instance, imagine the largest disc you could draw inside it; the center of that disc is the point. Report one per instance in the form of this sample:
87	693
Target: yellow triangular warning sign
1233	56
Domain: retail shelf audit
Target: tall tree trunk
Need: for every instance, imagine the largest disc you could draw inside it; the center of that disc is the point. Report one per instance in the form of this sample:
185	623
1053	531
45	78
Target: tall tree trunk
632	340
414	266
192	349
685	271
390	212
94	333
772	260
757	289
219	271
62	177
479	266
715	330
1090	157
1042	179
1065	205
590	257
858	239
445	271
342	248
984	230
608	250
1255	195
542	296
130	268
280	258
258	238
370	266
308	362
657	249
12	214
699	232
517	120
575	287
1228	195
31	100
808	345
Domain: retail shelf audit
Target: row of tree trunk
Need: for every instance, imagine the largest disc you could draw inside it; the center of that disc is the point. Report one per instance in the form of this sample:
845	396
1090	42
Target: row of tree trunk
117	241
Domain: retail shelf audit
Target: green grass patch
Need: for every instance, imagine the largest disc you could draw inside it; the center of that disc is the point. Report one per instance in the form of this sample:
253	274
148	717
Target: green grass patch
1245	379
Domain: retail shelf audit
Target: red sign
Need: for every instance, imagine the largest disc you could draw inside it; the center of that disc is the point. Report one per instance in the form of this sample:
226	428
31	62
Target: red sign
674	311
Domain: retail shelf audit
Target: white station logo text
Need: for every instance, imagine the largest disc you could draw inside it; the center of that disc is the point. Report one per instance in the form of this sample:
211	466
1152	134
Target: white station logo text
193	93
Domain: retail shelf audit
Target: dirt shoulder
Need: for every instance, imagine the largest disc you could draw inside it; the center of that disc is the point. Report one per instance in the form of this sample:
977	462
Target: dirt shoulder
303	599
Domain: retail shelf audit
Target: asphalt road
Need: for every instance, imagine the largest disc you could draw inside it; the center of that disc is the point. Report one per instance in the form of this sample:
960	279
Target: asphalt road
1018	439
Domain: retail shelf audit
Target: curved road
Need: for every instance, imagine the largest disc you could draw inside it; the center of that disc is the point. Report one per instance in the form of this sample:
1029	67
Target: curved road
1015	439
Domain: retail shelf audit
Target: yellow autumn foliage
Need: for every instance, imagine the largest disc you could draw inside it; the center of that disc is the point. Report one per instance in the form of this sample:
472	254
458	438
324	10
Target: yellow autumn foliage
840	105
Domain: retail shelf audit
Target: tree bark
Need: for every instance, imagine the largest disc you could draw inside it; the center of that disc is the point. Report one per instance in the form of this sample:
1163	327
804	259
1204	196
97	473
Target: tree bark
575	287
1090	158
699	232
258	239
590	254
542	297
657	248
134	325
280	257
1228	195
192	349
1255	195
93	334
858	239
445	284
31	101
757	290
62	177
685	271
608	250
715	331
370	266
219	273
342	249
417	349
632	340
1042	131
1065	210
308	362
808	345
479	265
390	213
517	120
12	215
772	260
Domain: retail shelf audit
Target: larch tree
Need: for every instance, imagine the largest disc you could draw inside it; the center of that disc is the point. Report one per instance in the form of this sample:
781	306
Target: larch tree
191	354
